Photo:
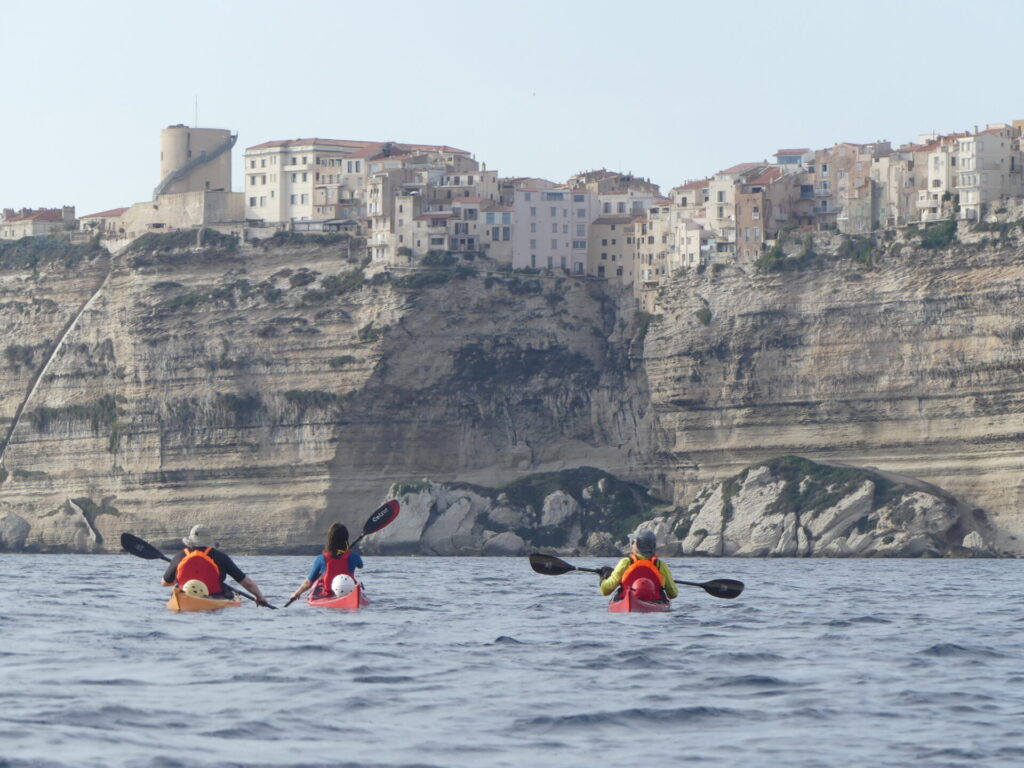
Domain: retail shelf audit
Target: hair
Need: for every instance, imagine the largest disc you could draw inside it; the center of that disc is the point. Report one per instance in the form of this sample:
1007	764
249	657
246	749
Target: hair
337	539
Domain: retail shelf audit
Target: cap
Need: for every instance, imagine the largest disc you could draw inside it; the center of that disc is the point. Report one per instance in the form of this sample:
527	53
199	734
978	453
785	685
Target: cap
199	536
646	542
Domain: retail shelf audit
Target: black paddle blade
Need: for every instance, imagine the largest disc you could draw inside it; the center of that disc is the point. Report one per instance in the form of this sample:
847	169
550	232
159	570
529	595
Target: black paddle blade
140	548
549	565
381	518
725	588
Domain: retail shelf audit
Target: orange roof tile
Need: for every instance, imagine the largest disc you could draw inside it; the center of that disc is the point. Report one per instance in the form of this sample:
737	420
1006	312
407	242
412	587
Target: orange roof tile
105	214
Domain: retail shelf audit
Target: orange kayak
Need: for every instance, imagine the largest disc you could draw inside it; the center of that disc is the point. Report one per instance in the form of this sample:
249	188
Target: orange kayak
353	601
185	603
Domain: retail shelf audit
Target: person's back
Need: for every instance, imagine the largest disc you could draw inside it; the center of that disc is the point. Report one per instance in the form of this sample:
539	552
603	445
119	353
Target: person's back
335	560
201	563
642	571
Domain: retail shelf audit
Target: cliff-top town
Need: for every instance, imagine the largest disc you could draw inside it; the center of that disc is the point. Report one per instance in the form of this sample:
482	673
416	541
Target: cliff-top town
412	201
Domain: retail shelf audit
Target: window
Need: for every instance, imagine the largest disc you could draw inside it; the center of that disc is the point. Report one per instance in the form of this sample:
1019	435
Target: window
305	177
533	210
554	244
252	163
533	243
554	229
682	202
579	244
604	241
581	213
437	241
607	208
721	196
757	212
263	200
621	207
495	233
252	202
305	199
490	218
721	211
565	229
577	198
600	270
533	226
506	233
604	257
824	169
533	260
461	228
527	196
295	177
506	218
554	211
252	180
293	199
581	230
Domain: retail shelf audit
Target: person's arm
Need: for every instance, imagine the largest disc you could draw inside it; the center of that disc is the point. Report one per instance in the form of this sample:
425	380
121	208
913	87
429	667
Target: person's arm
355	560
229	568
671	590
314	573
171	574
251	586
610	584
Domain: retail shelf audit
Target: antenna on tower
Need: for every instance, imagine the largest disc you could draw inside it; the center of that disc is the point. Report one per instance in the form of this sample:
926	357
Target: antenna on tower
196	123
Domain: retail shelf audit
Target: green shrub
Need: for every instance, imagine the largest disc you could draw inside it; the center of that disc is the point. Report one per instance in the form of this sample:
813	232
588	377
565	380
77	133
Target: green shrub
369	333
704	315
439	259
939	235
341	361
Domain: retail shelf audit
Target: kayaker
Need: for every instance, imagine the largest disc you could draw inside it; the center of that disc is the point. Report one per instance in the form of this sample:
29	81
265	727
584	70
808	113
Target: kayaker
202	561
336	559
642	564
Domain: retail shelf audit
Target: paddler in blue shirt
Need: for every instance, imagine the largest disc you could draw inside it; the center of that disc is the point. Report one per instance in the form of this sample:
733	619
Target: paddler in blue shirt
641	569
336	559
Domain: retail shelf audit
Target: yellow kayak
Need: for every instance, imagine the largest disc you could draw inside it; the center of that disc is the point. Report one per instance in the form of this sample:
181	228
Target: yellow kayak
185	603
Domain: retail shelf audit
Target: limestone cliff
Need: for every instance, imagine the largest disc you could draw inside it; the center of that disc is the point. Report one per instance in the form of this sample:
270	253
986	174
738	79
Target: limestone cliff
268	388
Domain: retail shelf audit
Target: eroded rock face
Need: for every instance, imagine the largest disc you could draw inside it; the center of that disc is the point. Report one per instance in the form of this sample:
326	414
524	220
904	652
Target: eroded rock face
271	390
792	507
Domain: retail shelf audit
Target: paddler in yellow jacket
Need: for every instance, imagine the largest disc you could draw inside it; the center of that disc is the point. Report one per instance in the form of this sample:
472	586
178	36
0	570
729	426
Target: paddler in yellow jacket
642	570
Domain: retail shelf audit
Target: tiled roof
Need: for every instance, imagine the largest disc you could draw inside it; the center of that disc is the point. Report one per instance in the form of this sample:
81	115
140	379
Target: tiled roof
51	214
105	214
791	152
699	184
309	142
770	175
739	168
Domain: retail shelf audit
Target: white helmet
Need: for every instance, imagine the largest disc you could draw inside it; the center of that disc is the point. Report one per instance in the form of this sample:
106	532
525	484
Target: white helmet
196	588
342	584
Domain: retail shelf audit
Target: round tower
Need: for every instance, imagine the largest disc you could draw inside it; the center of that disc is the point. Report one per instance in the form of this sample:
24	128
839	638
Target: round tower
193	159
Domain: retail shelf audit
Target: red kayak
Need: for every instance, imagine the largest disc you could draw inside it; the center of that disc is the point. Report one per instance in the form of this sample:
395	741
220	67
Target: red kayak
353	601
627	602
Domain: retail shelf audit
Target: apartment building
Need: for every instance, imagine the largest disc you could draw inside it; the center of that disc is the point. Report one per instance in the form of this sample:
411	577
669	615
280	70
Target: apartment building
551	228
609	253
989	170
306	179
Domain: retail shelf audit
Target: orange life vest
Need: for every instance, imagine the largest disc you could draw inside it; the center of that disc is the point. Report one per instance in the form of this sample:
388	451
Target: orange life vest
642	568
198	564
334	566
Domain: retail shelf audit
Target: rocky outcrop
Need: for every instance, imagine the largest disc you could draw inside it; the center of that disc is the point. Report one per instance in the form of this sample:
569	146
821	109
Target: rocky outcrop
792	507
572	512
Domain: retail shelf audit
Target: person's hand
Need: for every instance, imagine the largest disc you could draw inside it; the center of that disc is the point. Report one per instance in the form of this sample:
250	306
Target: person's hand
605	571
262	603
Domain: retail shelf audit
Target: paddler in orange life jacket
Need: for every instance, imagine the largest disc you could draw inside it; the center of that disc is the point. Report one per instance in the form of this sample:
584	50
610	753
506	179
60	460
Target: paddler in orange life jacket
640	566
335	560
200	560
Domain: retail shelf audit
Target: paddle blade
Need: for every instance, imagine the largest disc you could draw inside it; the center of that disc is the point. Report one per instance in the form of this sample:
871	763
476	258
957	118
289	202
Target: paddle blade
381	518
549	565
725	588
140	548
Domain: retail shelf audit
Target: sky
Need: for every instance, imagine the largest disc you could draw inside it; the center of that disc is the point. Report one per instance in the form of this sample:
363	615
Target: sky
666	89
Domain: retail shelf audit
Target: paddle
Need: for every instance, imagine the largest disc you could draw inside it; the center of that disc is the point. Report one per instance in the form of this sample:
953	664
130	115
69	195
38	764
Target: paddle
382	517
133	545
550	565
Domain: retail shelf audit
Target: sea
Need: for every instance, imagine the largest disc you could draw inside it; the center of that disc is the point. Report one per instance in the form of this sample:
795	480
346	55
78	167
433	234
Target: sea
481	662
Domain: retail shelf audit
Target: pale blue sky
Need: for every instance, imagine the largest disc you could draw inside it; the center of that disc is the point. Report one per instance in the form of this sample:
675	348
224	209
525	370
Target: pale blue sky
668	90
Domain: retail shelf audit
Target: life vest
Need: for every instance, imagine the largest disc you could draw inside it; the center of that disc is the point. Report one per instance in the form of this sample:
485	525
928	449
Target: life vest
642	568
334	566
197	564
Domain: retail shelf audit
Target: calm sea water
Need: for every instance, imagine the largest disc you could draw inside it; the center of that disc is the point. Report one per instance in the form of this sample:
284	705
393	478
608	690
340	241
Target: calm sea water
481	662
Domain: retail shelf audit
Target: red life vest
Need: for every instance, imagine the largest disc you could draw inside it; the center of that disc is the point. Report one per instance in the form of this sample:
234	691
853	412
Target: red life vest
334	566
197	564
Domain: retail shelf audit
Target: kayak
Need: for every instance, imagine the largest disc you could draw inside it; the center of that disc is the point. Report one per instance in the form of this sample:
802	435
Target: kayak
183	602
353	601
628	602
